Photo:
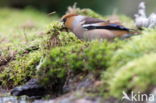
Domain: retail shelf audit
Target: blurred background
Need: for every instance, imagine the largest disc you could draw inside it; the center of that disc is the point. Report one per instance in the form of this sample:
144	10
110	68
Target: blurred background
106	7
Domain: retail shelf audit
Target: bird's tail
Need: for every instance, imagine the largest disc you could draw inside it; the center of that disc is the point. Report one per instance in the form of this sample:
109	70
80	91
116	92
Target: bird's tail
132	32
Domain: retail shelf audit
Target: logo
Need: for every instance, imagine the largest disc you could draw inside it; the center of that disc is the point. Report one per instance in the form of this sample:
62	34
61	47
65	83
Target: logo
138	97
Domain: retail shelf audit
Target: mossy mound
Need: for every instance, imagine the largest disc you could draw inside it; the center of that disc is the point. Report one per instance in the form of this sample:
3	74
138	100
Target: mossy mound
129	63
20	70
24	61
57	35
137	75
76	58
136	47
21	33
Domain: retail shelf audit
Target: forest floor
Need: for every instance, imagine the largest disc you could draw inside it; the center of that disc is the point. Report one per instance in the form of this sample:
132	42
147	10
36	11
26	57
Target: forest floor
34	45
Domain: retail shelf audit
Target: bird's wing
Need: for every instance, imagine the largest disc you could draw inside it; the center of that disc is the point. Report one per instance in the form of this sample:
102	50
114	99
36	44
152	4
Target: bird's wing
103	25
109	27
89	20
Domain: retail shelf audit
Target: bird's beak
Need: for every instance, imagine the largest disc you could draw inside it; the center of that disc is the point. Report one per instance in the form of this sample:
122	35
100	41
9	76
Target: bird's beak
62	22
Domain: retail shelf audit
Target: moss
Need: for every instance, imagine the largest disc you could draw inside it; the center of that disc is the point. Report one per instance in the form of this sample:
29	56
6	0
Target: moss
86	12
124	65
77	58
137	75
135	48
127	21
19	30
58	36
25	57
90	13
20	70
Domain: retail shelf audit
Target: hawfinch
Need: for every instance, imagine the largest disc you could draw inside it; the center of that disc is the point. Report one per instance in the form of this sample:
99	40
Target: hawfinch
87	28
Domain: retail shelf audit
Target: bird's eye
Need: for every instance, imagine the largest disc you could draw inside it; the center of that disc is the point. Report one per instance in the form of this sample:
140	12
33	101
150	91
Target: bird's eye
64	20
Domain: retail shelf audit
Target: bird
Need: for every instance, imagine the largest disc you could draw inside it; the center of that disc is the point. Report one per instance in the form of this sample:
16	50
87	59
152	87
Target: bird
88	28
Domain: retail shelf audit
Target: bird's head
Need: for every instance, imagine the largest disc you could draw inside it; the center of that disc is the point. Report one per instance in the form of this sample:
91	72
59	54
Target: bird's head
68	20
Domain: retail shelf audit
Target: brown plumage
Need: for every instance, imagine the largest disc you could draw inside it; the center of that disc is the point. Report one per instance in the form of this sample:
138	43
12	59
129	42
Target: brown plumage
88	28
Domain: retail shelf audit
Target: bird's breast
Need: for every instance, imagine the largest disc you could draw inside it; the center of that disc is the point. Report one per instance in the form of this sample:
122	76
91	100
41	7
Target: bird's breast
98	34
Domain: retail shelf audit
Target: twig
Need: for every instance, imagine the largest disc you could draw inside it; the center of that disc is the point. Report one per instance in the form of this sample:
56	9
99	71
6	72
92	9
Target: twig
51	13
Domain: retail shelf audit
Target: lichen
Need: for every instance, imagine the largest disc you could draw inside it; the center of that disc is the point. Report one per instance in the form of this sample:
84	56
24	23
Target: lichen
142	20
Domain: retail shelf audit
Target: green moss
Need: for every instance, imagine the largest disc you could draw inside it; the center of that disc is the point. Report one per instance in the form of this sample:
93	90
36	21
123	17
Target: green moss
86	12
124	65
21	29
20	70
90	13
127	21
137	75
15	24
135	48
76	58
58	36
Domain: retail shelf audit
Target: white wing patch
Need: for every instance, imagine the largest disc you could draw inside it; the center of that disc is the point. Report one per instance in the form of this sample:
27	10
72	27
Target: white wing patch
86	26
